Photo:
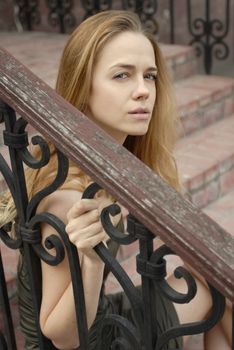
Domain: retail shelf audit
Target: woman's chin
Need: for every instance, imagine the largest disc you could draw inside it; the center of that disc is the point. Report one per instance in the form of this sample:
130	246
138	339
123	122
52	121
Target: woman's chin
141	132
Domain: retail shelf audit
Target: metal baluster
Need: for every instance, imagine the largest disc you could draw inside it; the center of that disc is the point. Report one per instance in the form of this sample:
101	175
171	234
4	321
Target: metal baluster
172	22
28	13
15	141
148	292
130	335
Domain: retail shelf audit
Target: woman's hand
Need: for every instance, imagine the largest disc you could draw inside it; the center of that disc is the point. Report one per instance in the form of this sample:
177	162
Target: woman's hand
84	226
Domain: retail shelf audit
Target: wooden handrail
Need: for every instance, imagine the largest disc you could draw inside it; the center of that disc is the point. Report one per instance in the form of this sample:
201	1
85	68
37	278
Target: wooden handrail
187	230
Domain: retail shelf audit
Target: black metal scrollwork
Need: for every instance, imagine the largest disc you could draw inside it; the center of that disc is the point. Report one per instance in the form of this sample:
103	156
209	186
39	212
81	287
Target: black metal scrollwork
130	339
158	263
24	154
146	11
208	35
112	264
151	265
27	227
60	14
94	6
28	13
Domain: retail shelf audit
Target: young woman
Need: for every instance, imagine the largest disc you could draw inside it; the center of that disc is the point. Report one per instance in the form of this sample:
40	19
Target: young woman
113	71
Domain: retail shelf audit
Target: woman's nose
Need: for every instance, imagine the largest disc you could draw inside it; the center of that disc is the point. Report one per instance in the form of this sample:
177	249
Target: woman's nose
141	91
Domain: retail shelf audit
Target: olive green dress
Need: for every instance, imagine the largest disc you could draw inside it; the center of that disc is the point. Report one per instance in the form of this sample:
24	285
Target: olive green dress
108	304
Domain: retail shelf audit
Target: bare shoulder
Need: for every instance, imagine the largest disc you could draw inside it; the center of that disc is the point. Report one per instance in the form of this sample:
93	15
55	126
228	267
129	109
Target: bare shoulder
59	202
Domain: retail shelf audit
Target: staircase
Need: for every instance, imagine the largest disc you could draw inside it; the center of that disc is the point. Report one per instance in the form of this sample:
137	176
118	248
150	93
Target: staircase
204	152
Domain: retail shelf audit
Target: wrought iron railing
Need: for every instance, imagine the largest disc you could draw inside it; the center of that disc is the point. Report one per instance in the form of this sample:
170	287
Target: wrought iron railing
157	209
208	33
64	14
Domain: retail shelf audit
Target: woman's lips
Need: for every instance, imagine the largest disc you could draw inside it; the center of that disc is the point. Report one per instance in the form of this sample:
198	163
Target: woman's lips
140	114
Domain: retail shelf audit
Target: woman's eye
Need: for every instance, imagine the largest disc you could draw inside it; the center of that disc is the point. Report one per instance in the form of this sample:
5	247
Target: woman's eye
121	76
150	76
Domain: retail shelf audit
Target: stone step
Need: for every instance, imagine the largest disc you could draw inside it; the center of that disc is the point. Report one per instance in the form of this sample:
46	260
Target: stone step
41	53
222	211
205	161
202	100
181	61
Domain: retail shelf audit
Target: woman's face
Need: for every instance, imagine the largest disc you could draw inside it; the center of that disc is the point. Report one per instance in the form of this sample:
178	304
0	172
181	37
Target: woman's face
123	89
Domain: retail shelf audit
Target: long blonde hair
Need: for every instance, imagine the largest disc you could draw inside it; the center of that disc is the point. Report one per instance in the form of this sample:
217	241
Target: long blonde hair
74	84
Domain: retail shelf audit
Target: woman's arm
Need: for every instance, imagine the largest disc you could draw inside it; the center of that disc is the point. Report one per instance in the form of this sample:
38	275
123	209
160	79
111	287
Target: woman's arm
57	315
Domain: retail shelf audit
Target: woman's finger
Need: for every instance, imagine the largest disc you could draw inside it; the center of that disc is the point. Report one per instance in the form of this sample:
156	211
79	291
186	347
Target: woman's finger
81	207
82	221
91	242
86	232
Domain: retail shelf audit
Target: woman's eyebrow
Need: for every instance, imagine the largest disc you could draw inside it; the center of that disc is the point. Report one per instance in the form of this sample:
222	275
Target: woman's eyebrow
131	66
152	69
123	65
